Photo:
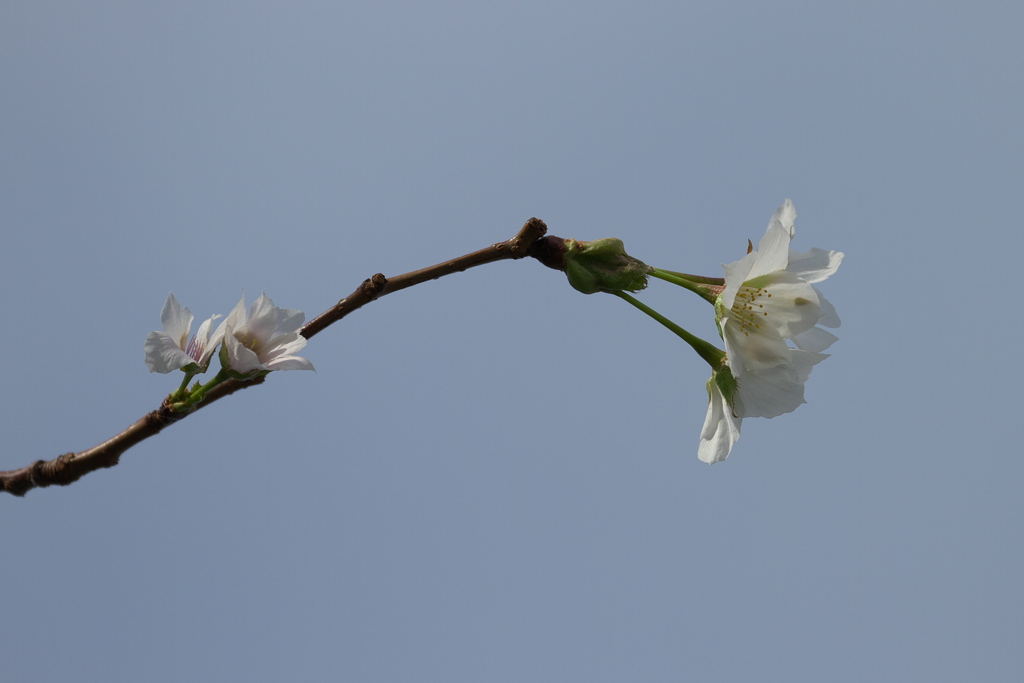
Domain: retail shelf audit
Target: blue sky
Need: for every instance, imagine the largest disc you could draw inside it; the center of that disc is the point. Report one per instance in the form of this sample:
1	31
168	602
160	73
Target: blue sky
492	477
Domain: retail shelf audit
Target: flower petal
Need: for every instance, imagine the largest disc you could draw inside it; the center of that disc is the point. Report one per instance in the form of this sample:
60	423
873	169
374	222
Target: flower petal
814	265
721	428
776	390
177	321
786	217
235	318
206	343
829	317
262	320
163	353
289	320
289	363
753	351
736	273
780	301
283	345
772	252
240	359
815	340
267	320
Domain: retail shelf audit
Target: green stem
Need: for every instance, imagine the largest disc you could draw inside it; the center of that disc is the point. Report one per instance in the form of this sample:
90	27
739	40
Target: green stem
718	281
200	393
191	399
708	288
182	391
709	352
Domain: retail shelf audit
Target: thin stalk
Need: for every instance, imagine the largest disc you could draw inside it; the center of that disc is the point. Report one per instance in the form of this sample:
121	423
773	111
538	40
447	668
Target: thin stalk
708	288
709	352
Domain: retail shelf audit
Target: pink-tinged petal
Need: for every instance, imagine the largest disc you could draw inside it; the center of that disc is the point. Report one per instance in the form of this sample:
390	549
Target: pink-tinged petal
203	333
207	344
721	428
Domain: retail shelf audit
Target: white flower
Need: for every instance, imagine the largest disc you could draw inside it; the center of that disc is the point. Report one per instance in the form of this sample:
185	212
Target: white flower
172	349
267	339
768	299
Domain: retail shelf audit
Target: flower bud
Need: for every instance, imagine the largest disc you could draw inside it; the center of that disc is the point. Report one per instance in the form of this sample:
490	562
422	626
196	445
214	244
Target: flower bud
603	266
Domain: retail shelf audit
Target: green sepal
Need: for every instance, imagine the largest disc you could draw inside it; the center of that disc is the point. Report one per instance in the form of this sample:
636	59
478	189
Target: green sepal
727	384
719	316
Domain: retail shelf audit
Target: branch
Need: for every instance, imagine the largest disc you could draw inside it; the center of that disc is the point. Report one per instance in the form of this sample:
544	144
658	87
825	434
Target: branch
70	467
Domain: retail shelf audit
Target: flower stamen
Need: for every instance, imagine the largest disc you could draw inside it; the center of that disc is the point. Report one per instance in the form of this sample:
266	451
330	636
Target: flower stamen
194	349
743	308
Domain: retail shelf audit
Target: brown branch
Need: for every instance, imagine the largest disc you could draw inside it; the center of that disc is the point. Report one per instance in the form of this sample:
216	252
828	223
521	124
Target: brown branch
378	285
70	467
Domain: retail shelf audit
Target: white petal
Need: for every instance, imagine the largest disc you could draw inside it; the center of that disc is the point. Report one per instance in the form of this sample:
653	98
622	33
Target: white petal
163	353
736	273
240	359
753	351
815	340
235	318
283	345
218	336
177	321
267	321
777	390
781	301
772	252
290	363
289	320
207	343
721	429
829	317
786	216
815	265
262	319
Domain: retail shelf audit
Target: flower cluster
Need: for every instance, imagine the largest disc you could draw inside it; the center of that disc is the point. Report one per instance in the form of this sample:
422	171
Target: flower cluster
769	314
254	342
